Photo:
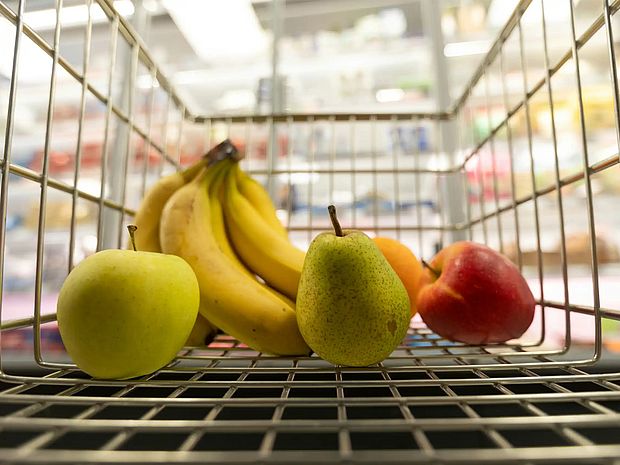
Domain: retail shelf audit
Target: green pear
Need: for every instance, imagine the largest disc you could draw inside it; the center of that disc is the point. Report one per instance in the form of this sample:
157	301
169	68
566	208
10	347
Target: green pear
352	308
126	313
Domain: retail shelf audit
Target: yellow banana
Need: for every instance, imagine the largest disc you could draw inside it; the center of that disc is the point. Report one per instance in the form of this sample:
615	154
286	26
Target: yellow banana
231	300
264	251
202	333
256	194
217	220
149	211
219	229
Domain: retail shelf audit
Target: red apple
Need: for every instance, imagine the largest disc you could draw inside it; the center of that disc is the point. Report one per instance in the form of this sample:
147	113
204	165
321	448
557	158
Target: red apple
473	294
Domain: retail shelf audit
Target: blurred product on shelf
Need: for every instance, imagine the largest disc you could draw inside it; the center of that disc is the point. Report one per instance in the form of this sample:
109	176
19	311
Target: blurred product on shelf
577	252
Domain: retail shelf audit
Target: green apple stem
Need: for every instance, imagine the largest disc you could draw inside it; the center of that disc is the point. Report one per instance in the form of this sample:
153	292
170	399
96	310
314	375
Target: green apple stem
433	270
132	231
332	215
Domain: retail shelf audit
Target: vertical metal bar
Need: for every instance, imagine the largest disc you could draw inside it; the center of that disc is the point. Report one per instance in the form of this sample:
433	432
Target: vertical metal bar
375	188
38	277
468	220
494	167
289	180
588	186
179	143
164	137
511	154
395	139
78	149
432	24
353	147
130	133
558	184
277	7
452	200
438	185
310	177
8	142
466	188
271	156
417	189
613	68
248	143
332	158
106	137
481	197
276	30
528	124
149	128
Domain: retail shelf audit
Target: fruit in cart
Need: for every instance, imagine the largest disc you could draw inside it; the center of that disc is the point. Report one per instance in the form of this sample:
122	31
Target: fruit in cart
202	333
260	245
405	263
126	313
149	211
256	194
231	299
473	294
352	308
150	208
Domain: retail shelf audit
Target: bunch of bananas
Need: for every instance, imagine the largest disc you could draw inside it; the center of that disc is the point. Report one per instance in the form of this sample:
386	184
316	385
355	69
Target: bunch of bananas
223	223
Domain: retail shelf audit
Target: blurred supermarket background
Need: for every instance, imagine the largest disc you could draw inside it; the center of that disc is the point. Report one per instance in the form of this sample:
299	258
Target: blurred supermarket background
340	56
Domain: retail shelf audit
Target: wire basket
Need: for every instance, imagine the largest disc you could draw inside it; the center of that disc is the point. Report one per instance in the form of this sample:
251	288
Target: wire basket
478	175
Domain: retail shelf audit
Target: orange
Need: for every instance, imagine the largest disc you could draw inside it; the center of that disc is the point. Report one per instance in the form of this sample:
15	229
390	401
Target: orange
405	263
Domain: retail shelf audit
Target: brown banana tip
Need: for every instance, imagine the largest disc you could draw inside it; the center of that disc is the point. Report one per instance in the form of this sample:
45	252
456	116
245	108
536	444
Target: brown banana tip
225	149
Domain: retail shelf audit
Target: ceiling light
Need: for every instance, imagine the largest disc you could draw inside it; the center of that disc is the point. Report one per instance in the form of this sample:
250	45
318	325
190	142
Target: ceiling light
219	30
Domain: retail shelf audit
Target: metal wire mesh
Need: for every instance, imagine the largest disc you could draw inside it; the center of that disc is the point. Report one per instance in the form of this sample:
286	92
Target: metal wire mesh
547	398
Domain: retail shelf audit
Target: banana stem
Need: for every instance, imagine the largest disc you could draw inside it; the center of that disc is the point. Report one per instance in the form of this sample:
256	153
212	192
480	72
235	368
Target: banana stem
132	231
433	270
332	216
193	171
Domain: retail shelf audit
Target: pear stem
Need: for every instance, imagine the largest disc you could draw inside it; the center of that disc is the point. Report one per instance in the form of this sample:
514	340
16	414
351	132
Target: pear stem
132	230
332	216
433	270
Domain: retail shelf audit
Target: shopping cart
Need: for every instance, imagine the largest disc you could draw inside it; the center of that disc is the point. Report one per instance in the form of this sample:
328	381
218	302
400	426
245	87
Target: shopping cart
549	398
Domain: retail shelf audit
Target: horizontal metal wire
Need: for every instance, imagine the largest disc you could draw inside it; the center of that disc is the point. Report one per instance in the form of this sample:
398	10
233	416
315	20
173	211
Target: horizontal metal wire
261	401
309	117
552	455
31	175
326	425
377	171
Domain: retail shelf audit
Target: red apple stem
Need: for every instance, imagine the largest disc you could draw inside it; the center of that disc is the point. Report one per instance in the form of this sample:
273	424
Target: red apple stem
132	231
332	216
433	270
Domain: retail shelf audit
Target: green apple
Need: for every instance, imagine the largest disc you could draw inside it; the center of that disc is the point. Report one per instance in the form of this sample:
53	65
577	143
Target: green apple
126	313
